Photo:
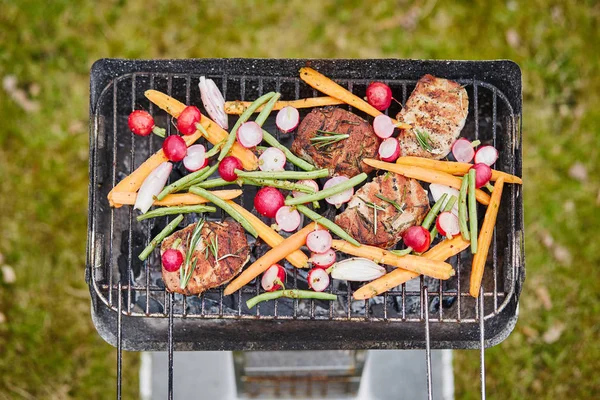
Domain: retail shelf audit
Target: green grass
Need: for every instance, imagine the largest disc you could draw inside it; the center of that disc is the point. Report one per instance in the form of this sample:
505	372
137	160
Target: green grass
48	346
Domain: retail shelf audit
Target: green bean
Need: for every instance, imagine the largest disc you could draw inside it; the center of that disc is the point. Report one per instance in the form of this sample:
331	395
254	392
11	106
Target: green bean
430	217
321	194
289	293
160	237
291	157
462	208
180	183
327	223
243	118
447	207
286	185
402	252
202	177
266	111
162	211
472	211
211	183
225	207
319	173
215	149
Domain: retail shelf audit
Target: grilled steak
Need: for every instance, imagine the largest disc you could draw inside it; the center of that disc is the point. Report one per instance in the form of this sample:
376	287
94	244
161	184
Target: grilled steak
341	158
231	239
437	107
358	218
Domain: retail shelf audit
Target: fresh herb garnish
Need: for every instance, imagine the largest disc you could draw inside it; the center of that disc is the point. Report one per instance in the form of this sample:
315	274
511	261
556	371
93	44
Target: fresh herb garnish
375	207
392	202
327	138
424	140
185	273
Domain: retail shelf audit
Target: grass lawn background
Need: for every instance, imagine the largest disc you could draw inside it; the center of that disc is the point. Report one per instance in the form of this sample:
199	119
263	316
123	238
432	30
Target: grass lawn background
48	346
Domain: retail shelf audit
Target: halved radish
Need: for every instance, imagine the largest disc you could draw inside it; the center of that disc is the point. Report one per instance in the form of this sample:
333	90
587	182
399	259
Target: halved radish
195	158
272	277
437	191
306	182
323	260
340	198
447	224
287	119
389	150
288	218
486	155
483	174
272	159
463	150
318	279
249	134
319	241
383	126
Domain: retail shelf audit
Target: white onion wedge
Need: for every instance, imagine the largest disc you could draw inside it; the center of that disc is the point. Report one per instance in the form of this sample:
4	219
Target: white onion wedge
287	119
323	260
288	218
272	159
319	241
389	150
195	158
357	269
249	134
318	279
213	101
306	182
340	198
437	190
152	186
486	155
383	126
463	150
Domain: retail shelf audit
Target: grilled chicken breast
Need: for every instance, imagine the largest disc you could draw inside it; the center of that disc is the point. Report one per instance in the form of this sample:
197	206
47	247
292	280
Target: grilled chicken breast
209	273
438	108
359	221
341	158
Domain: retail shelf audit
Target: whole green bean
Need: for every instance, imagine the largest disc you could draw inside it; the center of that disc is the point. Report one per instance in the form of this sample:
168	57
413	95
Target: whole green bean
447	207
402	252
180	183
214	150
430	217
202	177
291	157
462	208
225	207
319	173
160	237
243	118
162	211
286	185
321	194
266	111
290	293
211	183
472	211
327	223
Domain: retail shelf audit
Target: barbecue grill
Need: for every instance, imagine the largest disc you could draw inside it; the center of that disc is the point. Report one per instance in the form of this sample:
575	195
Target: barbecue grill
130	307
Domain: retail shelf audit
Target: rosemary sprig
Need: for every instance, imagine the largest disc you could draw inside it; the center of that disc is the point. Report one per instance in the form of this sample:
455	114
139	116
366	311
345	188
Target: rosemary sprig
392	202
186	272
424	140
375	207
328	138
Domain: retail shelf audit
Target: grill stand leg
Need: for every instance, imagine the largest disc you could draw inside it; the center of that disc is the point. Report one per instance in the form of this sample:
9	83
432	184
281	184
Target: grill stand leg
482	343
427	342
119	344
171	298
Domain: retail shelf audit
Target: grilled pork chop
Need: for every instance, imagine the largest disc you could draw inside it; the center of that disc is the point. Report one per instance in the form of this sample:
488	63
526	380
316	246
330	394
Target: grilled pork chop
230	238
341	158
358	218
437	107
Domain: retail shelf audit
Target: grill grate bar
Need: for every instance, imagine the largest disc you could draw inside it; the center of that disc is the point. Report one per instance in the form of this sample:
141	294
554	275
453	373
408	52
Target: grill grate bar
114	182
495	244
130	214
428	347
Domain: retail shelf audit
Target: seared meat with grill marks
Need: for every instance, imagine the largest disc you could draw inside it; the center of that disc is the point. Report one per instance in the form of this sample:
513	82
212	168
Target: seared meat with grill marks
437	107
358	218
341	158
209	273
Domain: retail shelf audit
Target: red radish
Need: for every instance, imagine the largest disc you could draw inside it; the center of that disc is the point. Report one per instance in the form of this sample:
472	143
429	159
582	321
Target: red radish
140	122
447	224
273	277
417	237
152	186
483	174
383	126
323	260
172	260
463	150
249	134
306	182
227	168
318	279
340	198
174	148
486	155
186	122
287	119
213	101
379	95
389	150
319	241
272	159
288	218
268	201
195	158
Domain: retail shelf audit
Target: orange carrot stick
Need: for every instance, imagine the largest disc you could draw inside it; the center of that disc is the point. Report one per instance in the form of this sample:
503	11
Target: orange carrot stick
238	107
179	199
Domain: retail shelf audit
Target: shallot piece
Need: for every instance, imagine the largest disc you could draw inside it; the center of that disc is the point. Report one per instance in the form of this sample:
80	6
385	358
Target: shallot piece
195	158
340	198
437	191
213	101
357	269
272	159
287	119
152	186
